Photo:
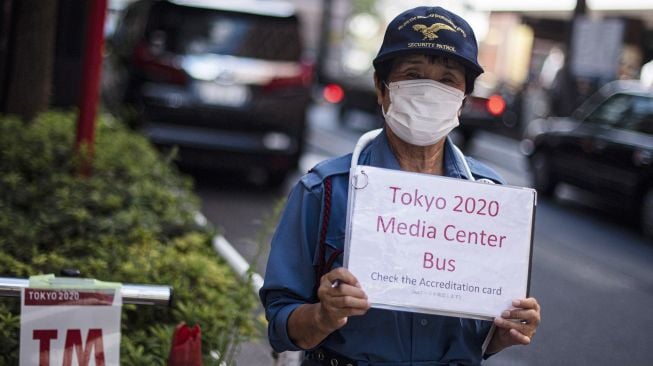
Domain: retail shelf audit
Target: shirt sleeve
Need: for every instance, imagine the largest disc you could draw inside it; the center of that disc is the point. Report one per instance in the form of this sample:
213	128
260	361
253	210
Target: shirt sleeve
290	276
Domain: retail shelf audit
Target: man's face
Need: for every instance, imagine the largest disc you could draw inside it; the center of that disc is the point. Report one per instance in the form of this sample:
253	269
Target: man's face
443	69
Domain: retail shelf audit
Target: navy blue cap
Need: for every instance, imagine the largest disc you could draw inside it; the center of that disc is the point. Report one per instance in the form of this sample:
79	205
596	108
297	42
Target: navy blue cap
432	31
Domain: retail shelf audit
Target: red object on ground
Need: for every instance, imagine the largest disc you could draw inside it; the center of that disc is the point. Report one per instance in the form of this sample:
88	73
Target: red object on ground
186	347
90	87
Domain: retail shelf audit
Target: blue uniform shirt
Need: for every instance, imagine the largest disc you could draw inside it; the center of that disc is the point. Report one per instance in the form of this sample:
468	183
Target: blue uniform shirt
380	337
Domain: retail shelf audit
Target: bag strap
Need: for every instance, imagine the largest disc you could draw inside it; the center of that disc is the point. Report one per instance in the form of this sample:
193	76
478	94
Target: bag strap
324	266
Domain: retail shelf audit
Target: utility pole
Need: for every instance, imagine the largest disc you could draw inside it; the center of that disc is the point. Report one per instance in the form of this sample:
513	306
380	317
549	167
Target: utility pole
565	95
580	9
29	44
325	33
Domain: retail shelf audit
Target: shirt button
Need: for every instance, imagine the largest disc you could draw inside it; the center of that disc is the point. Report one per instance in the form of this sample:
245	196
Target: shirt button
424	322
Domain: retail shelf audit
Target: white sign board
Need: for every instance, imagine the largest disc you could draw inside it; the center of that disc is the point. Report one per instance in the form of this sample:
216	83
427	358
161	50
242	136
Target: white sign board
70	327
438	245
597	46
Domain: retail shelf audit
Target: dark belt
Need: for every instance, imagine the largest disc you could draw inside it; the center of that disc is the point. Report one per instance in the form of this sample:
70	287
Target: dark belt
322	356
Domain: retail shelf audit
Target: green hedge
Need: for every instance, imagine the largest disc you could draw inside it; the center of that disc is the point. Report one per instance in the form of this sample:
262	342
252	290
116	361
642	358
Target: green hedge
131	221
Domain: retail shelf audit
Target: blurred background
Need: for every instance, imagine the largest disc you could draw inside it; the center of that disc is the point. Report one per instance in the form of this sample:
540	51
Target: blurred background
251	94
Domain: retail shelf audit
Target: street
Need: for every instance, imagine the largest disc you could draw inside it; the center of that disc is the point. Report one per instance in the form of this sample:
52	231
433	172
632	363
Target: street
592	271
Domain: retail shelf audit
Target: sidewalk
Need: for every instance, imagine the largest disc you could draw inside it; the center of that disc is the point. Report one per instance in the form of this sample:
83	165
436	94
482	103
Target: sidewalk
259	353
256	352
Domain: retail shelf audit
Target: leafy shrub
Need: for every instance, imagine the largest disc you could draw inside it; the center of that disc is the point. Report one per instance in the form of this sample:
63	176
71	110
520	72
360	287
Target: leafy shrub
131	221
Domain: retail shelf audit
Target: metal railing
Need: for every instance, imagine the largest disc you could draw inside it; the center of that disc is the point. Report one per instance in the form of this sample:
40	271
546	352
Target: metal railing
131	293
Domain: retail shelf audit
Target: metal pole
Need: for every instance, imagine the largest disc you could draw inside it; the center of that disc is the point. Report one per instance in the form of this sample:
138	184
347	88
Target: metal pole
91	79
131	293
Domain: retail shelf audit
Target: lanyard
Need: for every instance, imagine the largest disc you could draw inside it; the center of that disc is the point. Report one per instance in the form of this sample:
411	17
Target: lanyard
367	137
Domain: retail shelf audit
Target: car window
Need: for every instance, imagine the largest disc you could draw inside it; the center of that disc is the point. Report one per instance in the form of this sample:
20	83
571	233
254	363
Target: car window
611	112
186	30
640	114
625	111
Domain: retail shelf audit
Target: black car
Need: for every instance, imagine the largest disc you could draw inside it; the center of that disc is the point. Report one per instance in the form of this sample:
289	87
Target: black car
224	81
605	147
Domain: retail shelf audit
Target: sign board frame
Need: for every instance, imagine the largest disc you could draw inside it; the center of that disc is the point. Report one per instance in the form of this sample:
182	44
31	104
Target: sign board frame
414	244
68	322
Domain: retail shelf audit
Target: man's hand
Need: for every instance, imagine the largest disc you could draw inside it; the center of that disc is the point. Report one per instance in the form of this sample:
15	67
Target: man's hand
340	296
516	326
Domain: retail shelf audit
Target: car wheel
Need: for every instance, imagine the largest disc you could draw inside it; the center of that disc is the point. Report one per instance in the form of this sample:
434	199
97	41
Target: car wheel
543	178
646	214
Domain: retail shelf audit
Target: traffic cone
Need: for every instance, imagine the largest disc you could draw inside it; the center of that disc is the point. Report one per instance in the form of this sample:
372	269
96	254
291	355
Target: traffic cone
186	347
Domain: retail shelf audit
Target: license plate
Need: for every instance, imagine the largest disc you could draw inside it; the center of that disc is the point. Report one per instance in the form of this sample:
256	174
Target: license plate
223	95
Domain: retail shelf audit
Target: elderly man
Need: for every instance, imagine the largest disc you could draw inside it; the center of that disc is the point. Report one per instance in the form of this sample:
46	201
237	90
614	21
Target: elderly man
425	67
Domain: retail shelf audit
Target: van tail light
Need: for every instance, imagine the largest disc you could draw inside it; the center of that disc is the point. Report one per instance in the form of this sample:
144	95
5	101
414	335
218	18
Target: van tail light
164	69
496	105
333	93
303	78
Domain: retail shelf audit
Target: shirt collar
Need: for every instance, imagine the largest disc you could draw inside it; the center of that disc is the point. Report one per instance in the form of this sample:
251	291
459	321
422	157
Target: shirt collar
453	163
379	154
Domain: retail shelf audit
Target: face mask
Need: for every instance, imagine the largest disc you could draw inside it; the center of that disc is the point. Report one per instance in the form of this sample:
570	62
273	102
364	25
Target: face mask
422	111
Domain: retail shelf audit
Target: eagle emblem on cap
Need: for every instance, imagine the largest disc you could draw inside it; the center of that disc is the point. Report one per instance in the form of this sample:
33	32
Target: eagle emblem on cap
430	32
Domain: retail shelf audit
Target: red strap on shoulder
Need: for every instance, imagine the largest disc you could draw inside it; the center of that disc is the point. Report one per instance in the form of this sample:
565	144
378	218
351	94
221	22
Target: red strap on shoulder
320	270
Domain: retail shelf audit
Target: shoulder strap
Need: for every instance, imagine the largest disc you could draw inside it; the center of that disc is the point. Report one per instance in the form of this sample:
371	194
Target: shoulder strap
324	265
326	215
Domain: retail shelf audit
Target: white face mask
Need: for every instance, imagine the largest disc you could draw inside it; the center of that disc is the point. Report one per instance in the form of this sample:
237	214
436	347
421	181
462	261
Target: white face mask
422	111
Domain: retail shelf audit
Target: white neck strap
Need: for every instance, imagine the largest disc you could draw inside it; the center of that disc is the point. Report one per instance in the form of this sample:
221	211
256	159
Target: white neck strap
371	135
